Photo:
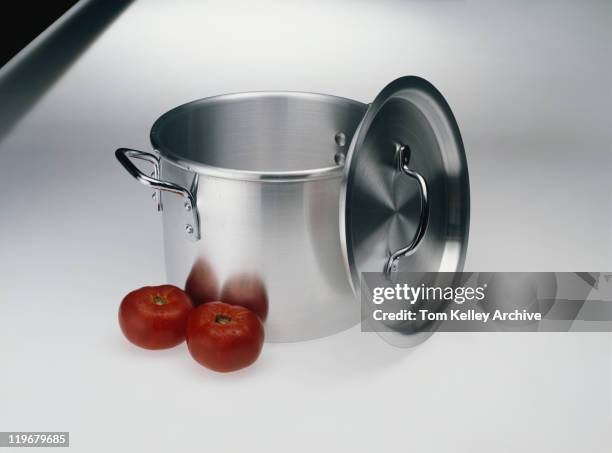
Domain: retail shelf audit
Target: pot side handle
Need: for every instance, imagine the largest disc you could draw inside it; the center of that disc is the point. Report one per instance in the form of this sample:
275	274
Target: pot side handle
125	156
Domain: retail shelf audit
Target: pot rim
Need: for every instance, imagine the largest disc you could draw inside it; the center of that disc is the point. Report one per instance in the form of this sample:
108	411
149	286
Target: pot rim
334	171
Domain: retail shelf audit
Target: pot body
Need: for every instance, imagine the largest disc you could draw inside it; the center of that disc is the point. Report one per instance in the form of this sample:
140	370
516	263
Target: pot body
283	234
264	174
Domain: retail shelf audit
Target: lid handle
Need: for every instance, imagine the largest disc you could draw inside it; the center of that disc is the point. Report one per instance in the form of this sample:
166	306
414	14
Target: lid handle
403	153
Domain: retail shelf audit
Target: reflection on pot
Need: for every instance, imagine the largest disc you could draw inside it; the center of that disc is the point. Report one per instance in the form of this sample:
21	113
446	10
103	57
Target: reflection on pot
247	290
202	284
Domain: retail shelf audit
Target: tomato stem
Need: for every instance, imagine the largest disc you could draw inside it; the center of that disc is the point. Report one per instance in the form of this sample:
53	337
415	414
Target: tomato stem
222	319
159	300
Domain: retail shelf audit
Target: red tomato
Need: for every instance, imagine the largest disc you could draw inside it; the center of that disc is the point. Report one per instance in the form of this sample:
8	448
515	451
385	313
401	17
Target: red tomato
224	337
248	291
154	317
202	284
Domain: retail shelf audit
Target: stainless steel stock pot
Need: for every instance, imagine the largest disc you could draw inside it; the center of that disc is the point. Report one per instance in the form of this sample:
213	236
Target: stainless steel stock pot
303	192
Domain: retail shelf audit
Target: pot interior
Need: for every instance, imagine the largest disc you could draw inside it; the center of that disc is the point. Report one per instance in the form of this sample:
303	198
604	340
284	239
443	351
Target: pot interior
268	132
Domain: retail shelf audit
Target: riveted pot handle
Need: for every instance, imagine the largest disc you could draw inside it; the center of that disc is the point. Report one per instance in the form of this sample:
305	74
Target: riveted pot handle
403	166
125	156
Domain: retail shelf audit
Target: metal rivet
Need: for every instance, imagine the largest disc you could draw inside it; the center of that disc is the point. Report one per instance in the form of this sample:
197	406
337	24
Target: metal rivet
340	139
187	206
339	158
189	229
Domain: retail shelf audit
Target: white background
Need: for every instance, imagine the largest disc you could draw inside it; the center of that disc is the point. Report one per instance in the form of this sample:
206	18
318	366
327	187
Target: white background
529	83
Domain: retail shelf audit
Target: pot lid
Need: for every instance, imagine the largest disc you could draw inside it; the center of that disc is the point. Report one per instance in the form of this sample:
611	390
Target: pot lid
405	200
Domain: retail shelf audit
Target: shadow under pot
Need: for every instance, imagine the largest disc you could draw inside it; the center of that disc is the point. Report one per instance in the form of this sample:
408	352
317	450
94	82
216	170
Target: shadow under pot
303	192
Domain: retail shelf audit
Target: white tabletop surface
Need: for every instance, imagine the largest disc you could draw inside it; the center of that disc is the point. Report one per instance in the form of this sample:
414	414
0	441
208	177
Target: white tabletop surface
530	86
